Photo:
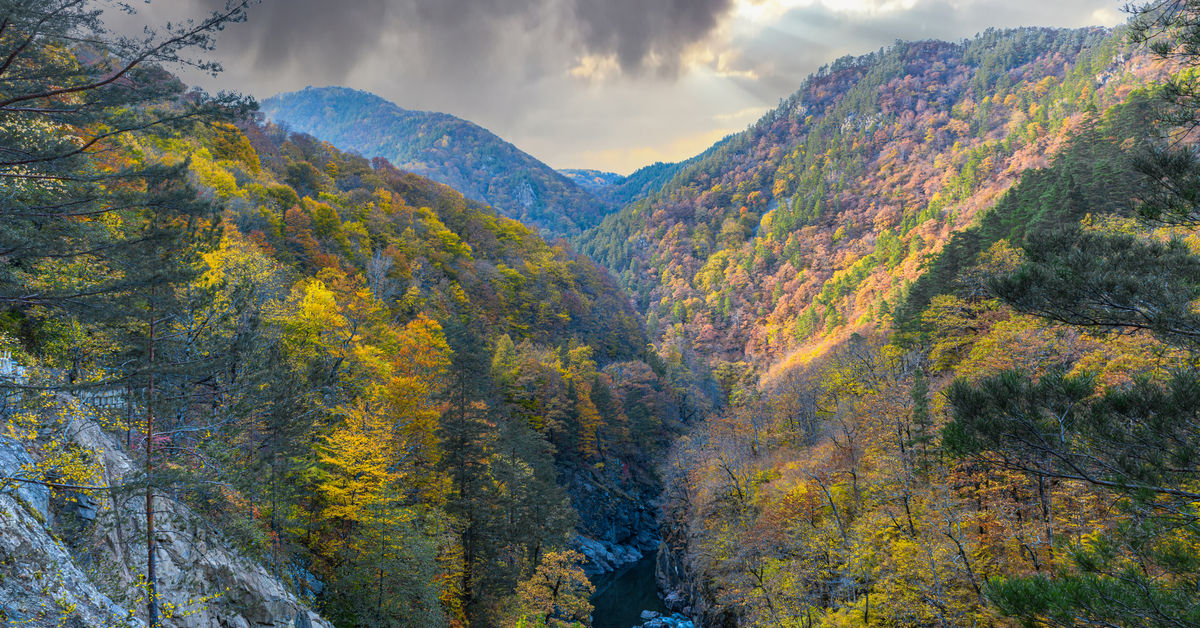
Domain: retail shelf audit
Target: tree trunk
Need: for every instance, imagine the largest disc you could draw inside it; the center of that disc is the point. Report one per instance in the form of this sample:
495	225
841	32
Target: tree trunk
151	592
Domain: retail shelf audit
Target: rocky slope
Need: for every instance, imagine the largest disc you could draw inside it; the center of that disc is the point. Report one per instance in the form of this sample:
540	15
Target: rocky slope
617	525
79	560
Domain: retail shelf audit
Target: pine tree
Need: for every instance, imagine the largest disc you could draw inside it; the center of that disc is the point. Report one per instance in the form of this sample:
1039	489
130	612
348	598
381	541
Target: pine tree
922	425
87	227
1140	443
62	105
466	436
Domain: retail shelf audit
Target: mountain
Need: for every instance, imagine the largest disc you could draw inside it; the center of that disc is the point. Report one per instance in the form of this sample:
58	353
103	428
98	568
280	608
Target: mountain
352	386
591	180
544	347
444	148
620	191
947	295
812	223
918	348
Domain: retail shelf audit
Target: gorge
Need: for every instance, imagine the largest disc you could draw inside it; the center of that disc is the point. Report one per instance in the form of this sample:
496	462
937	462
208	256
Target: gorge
915	348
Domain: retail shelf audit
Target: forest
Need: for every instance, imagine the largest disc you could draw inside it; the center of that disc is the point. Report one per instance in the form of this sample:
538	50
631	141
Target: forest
917	348
464	156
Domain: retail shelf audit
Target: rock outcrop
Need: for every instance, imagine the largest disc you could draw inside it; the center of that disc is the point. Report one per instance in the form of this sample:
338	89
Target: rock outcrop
617	526
654	619
79	561
683	593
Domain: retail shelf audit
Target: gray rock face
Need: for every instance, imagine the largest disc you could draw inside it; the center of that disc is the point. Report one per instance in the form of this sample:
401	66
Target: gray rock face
604	557
12	458
89	576
617	525
42	584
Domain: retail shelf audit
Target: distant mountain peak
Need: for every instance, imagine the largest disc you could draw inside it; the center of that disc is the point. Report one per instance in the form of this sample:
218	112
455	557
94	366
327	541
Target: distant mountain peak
444	148
591	180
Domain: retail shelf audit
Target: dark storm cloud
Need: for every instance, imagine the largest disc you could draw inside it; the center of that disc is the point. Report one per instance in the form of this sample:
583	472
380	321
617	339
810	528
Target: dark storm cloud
640	30
459	36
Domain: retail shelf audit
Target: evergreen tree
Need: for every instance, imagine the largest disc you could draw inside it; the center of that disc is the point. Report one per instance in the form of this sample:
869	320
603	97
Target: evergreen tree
466	432
1140	442
90	228
65	103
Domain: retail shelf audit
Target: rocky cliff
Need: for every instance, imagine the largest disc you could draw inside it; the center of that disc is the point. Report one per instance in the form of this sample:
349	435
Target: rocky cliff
616	517
79	559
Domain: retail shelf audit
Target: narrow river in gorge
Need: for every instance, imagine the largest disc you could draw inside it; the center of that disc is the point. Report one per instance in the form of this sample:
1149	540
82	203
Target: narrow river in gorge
622	595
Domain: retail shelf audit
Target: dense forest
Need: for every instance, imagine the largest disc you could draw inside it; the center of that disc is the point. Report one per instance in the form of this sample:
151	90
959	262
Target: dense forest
918	348
343	365
981	413
811	224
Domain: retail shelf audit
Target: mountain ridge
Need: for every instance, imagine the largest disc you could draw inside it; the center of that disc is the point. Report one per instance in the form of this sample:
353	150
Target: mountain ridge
445	148
895	148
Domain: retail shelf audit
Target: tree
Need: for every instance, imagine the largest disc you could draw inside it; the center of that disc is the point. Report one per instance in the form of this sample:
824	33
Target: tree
465	434
1139	442
1108	282
74	101
73	93
558	592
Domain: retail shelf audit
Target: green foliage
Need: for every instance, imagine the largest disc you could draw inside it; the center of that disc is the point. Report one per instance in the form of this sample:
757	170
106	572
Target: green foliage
323	329
1090	175
1109	282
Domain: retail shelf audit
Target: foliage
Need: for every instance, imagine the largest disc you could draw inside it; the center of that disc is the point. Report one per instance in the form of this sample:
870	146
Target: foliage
815	222
557	592
446	149
303	341
1020	446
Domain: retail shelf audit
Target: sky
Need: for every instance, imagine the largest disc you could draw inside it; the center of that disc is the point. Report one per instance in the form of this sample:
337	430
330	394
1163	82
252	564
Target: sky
606	84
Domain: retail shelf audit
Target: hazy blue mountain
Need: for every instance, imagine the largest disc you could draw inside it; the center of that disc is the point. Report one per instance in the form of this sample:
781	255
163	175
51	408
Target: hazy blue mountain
447	149
591	180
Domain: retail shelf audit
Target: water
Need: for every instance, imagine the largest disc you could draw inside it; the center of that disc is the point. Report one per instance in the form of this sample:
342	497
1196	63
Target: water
622	595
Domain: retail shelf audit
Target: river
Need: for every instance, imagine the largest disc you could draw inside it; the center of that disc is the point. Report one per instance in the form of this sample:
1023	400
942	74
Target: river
622	595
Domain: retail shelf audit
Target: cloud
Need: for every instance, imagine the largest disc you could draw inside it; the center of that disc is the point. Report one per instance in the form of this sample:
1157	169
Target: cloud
589	83
802	35
618	159
329	38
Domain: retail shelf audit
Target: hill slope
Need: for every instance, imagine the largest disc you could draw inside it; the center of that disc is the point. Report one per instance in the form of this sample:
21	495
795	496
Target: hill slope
968	468
395	398
811	223
446	149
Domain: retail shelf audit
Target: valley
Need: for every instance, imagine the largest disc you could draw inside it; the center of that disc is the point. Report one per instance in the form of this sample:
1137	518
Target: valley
915	348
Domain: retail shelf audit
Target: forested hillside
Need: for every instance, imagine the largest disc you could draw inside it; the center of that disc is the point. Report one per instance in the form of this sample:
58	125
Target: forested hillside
460	364
812	223
1010	438
919	348
447	149
388	394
